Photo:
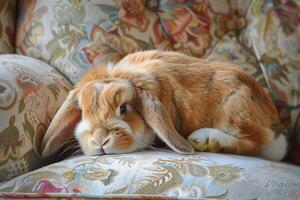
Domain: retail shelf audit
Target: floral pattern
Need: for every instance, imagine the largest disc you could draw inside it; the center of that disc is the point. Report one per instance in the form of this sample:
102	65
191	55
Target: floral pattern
188	24
83	32
7	26
271	34
28	101
169	175
73	35
196	26
11	144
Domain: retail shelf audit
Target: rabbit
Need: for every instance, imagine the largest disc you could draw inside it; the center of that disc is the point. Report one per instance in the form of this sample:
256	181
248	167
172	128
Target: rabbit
191	104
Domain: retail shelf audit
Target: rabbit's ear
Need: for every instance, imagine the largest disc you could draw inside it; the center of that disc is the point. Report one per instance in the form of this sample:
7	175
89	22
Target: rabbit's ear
62	126
157	117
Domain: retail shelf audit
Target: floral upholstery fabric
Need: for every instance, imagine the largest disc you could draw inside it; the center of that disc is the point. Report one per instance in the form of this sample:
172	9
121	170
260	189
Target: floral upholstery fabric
30	93
7	26
194	27
203	175
273	37
74	35
262	37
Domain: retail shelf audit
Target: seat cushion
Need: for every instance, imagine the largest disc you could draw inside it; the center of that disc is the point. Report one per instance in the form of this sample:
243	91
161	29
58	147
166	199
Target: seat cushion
30	93
160	173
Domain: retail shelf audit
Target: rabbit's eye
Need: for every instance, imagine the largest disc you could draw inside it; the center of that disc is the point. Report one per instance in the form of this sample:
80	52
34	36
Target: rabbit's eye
123	108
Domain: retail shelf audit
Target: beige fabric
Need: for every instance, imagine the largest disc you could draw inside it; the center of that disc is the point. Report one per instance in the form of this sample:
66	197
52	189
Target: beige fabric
164	174
30	93
74	35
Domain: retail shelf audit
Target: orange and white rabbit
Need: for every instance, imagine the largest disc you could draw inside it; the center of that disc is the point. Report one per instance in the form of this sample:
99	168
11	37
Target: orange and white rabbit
189	103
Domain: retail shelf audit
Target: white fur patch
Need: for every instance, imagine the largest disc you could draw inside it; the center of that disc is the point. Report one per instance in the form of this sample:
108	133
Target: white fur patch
108	150
110	67
99	86
133	68
204	134
144	140
119	123
82	127
276	150
128	87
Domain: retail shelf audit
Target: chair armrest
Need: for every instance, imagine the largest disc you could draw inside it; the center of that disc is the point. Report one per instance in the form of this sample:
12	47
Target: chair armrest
30	94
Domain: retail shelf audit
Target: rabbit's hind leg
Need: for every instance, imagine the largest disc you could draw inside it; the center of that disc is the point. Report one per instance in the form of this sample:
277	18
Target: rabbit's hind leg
240	141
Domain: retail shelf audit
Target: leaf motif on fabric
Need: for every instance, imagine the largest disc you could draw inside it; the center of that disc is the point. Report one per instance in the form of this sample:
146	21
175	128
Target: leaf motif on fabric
103	45
151	43
21	105
177	164
102	160
55	50
224	173
99	174
28	127
69	176
143	45
77	4
126	161
257	7
197	170
38	138
54	89
160	181
121	190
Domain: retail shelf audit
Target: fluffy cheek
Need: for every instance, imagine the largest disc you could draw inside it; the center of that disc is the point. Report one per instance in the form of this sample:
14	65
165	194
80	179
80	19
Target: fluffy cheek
132	135
87	142
128	135
121	142
142	134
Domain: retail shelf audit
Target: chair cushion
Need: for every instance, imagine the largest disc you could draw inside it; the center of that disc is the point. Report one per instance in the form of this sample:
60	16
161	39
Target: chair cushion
7	26
162	174
30	93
